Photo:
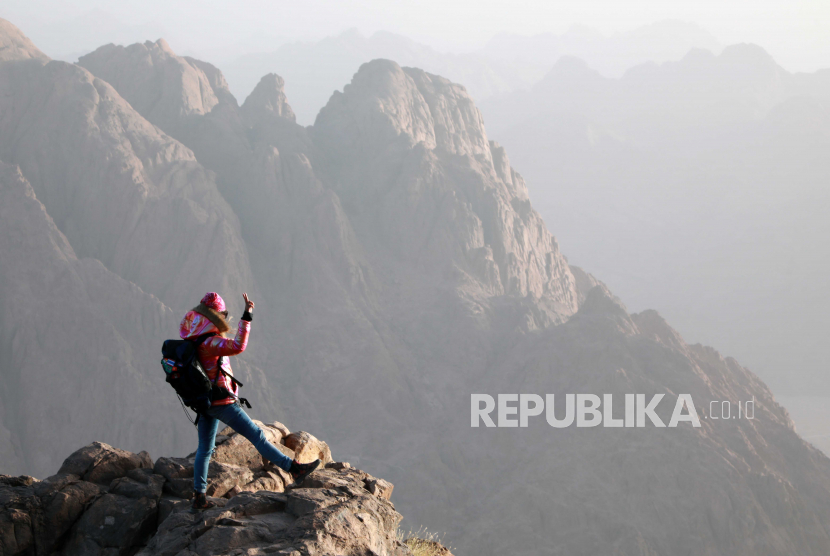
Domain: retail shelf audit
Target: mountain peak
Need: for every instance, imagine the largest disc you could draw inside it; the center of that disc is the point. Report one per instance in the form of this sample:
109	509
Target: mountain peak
572	71
14	45
380	102
162	45
747	53
385	104
269	97
136	71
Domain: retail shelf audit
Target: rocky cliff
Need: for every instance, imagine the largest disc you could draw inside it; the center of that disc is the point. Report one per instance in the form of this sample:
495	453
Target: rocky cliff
107	501
73	333
399	267
119	188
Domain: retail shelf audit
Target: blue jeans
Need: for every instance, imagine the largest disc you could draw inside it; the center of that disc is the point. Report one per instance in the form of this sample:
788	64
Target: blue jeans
236	418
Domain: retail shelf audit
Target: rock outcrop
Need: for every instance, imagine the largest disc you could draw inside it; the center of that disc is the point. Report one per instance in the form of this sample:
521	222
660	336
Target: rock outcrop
106	501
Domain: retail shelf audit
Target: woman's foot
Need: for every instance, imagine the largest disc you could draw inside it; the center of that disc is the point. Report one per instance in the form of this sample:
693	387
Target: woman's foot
200	501
299	471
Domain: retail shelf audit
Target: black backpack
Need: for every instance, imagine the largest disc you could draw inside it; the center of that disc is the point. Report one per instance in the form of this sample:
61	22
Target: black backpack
185	374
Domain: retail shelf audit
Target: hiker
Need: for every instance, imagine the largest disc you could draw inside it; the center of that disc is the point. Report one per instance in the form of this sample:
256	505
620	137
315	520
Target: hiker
211	316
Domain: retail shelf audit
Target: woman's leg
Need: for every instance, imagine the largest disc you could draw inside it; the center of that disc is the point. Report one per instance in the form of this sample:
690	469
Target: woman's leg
236	418
207	436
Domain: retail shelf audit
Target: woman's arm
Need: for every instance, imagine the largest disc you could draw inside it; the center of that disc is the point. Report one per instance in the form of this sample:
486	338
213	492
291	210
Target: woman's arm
218	346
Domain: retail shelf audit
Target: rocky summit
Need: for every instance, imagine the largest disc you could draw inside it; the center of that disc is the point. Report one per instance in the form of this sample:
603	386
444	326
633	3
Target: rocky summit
106	501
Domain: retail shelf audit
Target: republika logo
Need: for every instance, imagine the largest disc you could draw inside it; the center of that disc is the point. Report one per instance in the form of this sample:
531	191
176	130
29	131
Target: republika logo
587	410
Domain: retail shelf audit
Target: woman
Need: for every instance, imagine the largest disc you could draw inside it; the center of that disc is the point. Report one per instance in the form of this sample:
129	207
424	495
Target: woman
211	316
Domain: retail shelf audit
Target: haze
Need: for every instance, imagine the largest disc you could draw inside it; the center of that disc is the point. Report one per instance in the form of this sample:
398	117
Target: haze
498	49
795	33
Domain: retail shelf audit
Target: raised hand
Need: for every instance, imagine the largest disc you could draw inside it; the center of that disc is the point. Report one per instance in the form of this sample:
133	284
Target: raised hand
249	305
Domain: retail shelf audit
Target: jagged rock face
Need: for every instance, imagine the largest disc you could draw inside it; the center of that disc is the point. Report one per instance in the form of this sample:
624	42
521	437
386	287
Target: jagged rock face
585	282
269	180
106	501
158	84
395	139
268	97
77	344
504	245
121	191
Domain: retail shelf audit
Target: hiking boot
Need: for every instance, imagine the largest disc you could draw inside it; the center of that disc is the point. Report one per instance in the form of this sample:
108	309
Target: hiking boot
299	471
200	502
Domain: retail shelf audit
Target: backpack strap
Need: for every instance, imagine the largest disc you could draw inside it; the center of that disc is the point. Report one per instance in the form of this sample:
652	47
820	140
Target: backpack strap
233	378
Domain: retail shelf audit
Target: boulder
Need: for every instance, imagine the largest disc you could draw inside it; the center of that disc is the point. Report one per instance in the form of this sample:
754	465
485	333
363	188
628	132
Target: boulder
20	481
178	475
379	487
307	447
113	525
302	501
342	519
180	488
101	463
265	480
62	502
280	427
16	532
132	488
338	465
283	474
222	477
173	468
169	505
251	504
18	511
235	449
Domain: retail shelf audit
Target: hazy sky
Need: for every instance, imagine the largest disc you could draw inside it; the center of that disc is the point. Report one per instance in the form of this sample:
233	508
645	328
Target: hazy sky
795	32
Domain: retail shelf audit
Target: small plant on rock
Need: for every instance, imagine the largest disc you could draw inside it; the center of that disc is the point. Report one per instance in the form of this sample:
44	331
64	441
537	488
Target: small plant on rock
424	543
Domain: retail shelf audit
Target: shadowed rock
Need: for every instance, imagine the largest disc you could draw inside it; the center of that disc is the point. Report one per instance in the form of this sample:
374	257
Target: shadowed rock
101	463
333	511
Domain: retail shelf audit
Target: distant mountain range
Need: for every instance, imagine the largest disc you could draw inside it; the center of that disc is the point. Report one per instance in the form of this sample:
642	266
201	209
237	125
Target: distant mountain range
507	63
610	55
314	69
696	186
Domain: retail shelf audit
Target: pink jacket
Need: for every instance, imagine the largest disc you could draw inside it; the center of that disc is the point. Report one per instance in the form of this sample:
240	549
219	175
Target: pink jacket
213	348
